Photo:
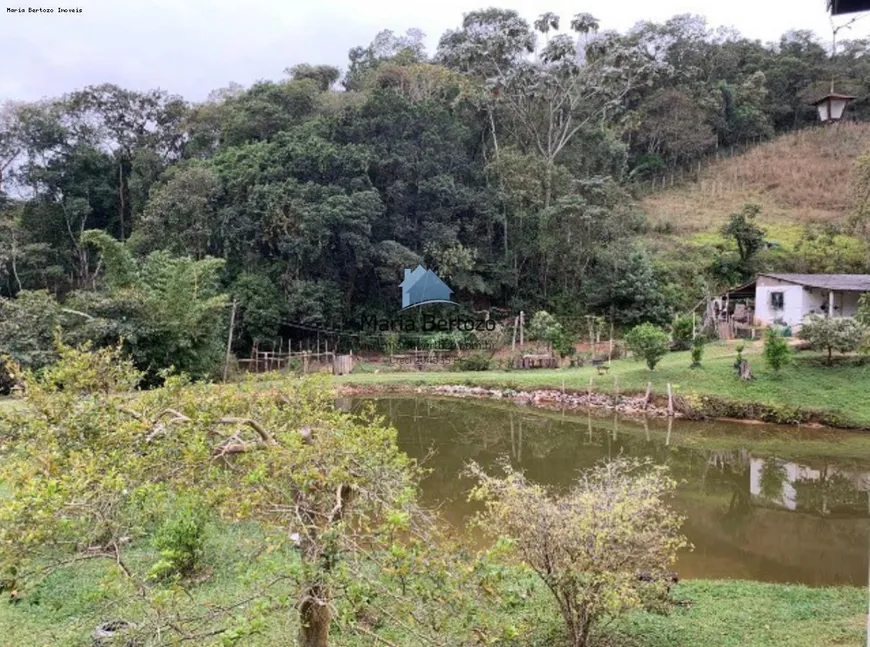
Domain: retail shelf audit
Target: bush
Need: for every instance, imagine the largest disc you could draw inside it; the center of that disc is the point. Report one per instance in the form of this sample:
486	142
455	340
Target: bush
682	330
391	343
590	544
776	350
180	540
842	334
648	342
698	350
473	362
544	327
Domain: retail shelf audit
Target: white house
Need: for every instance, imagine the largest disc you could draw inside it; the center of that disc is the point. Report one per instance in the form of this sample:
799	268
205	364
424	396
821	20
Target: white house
788	298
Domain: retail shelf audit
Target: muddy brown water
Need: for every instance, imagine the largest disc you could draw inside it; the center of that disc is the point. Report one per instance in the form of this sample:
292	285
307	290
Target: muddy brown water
767	503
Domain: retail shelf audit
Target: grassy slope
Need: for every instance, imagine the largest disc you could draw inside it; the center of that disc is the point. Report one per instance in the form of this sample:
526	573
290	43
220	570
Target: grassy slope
797	179
806	385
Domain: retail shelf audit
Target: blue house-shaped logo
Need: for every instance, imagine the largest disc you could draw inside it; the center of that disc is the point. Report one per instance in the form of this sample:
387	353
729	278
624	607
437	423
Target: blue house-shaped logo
423	286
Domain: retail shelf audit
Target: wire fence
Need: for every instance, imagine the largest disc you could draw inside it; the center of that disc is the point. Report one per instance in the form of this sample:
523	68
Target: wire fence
691	171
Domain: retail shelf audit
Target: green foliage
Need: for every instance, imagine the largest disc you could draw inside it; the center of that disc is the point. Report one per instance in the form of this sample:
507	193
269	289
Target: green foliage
682	331
544	327
472	362
109	475
180	539
391	342
648	342
828	251
85	371
746	235
27	328
588	544
860	190
121	270
777	353
829	334
698	350
259	307
863	316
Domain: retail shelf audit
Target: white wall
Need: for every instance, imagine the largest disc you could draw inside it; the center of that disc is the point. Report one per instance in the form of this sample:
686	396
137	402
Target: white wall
793	309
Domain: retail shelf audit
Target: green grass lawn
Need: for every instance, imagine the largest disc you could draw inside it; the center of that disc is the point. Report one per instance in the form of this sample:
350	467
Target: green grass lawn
839	392
753	614
65	609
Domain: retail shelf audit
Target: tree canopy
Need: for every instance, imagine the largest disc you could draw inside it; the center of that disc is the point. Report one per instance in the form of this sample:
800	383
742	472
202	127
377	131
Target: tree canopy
503	160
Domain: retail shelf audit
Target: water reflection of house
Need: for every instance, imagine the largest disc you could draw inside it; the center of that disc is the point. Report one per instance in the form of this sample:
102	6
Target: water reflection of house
791	475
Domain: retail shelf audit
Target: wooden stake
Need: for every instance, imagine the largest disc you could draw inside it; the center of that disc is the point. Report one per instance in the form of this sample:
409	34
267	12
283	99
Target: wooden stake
670	402
522	325
230	340
610	353
589	390
646	397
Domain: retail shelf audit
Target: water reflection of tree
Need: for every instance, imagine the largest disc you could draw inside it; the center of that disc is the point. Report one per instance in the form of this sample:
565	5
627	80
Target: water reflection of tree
773	478
830	493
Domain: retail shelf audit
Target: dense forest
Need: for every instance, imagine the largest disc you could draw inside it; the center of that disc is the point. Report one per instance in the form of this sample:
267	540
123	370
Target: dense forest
506	161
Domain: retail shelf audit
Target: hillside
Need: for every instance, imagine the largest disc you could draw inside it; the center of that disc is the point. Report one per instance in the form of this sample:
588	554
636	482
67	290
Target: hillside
798	179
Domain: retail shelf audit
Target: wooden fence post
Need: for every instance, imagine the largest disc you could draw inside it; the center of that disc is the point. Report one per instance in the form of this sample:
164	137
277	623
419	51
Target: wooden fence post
230	340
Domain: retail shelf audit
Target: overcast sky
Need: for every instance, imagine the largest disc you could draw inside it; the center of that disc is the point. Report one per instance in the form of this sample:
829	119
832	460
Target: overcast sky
191	47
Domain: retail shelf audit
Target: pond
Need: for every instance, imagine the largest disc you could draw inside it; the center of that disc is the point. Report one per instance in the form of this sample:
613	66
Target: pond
761	502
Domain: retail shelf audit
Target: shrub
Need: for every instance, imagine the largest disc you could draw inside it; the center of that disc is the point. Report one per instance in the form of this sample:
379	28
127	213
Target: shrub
589	544
698	350
391	343
180	539
648	342
544	327
682	330
842	334
473	362
776	350
739	348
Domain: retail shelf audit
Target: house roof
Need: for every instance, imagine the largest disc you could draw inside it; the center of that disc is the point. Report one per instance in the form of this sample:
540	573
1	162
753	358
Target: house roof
842	282
832	95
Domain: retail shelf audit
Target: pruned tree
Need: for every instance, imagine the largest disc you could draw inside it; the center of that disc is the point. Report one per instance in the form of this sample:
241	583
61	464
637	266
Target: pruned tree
590	544
98	472
829	334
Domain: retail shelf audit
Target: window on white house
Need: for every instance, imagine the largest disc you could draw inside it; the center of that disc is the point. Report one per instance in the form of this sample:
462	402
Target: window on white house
777	300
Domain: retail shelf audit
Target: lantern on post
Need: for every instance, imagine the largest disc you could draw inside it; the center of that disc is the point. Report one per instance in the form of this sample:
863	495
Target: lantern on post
832	105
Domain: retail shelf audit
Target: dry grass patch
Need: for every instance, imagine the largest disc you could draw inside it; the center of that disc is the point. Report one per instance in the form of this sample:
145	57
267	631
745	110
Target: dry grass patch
800	178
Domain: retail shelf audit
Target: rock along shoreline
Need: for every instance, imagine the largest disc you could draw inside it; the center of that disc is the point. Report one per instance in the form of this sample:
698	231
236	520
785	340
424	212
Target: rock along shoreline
625	405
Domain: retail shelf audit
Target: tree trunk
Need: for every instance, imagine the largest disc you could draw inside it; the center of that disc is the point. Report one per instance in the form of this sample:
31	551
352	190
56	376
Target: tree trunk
548	184
314	624
121	205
